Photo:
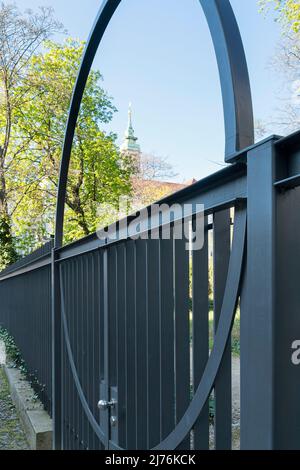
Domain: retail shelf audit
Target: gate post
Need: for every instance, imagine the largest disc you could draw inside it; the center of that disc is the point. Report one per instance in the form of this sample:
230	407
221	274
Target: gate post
258	303
270	304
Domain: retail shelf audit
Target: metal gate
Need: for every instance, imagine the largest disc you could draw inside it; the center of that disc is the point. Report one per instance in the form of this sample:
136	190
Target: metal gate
133	345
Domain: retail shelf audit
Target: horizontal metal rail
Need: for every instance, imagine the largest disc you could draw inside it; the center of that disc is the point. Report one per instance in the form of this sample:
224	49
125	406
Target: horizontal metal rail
122	236
31	266
216	192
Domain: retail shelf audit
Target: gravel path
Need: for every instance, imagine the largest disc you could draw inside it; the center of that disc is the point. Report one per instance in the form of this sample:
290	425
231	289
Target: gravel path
235	407
12	436
2	353
236	403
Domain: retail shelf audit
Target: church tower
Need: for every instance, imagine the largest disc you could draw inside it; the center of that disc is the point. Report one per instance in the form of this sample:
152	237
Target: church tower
130	146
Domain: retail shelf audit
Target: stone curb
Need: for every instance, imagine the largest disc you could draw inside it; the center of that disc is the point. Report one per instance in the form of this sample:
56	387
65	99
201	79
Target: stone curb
36	421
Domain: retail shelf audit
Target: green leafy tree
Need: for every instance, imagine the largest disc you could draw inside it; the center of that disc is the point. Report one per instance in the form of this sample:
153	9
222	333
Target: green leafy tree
98	174
20	36
288	12
286	64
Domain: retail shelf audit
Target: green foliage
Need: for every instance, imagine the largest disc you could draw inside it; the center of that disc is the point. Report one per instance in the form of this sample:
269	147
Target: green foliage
16	360
98	173
211	409
21	35
286	65
8	254
235	337
288	12
12	351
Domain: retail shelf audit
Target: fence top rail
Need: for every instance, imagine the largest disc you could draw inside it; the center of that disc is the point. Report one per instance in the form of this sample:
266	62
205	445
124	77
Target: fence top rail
36	255
190	194
226	177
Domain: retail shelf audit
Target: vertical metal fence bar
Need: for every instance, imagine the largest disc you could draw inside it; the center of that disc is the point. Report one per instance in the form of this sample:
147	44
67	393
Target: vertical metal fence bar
72	330
93	372
64	386
200	333
112	302
106	342
101	326
153	342
48	339
182	330
93	325
43	335
141	344
167	386
56	353
112	330
66	390
86	365
223	393
77	350
73	343
64	269
89	346
87	389
130	346
74	276
69	313
95	336
65	373
81	355
82	350
121	357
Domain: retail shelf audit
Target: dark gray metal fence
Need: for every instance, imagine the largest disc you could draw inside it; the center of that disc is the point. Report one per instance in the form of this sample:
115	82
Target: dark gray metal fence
25	293
135	316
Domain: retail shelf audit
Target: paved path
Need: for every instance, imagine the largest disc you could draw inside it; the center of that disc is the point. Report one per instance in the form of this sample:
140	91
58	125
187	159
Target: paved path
2	353
12	436
236	400
235	407
236	403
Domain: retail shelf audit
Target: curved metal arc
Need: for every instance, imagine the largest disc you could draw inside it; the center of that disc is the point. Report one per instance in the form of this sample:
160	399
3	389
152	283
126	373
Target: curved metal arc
234	77
225	325
96	428
102	21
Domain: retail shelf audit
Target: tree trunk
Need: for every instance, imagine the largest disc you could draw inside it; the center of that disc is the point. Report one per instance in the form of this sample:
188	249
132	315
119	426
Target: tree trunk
8	254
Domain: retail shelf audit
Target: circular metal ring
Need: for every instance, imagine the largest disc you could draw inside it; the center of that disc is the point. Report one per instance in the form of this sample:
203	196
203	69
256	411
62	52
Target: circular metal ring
234	78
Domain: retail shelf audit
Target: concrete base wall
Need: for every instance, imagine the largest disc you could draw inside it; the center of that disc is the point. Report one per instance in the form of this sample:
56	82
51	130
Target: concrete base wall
36	421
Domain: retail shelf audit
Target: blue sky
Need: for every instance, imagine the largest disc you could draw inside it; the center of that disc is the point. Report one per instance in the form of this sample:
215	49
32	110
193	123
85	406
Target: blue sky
158	55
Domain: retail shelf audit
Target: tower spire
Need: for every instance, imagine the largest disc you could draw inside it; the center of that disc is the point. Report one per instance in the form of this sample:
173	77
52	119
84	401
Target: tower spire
130	128
130	144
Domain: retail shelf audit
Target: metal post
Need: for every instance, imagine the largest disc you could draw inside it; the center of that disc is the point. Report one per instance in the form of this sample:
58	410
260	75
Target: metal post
56	354
258	303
